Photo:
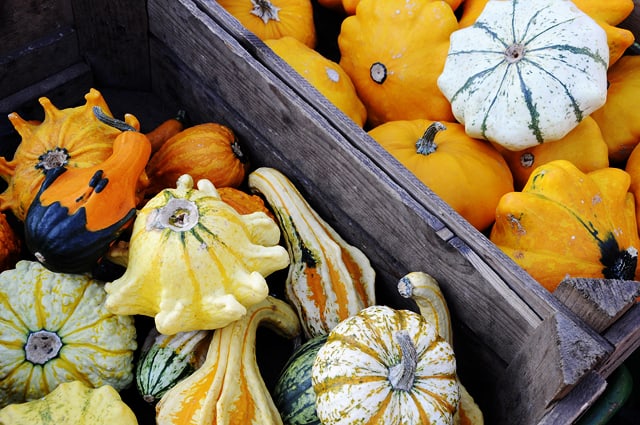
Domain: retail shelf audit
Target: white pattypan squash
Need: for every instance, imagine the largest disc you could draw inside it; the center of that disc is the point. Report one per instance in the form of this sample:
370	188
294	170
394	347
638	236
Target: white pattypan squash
55	328
526	72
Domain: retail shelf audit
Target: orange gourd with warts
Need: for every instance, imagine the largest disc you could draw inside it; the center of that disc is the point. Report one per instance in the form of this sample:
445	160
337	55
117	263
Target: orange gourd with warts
79	212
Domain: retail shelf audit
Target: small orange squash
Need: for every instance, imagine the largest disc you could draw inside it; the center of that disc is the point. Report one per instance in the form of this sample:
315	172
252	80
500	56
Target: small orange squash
269	19
569	223
584	146
166	129
469	174
10	244
394	53
243	202
205	151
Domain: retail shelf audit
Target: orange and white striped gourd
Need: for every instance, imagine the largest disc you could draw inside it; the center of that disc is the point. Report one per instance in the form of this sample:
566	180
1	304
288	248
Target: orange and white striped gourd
329	279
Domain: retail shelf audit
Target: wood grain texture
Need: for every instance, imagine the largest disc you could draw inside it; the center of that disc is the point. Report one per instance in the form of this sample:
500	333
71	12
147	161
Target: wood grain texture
38	60
113	40
22	22
624	335
598	302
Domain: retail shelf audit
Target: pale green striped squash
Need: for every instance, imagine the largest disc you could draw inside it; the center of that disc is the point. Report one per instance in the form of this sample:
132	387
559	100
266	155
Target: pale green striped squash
526	72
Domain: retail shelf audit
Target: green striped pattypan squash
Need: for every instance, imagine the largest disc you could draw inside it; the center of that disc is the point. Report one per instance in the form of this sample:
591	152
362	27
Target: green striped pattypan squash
526	72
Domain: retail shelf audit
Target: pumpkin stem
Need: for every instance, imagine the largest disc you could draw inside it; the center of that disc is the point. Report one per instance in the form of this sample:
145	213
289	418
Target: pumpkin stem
265	10
402	375
622	266
515	52
426	144
178	215
42	346
110	121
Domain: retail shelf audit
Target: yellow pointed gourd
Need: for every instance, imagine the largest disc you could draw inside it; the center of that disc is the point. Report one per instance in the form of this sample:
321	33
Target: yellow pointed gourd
228	388
329	279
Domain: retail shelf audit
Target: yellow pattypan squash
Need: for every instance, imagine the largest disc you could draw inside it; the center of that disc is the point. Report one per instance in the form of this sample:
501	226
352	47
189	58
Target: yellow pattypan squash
326	76
55	328
619	118
394	52
72	403
584	146
269	19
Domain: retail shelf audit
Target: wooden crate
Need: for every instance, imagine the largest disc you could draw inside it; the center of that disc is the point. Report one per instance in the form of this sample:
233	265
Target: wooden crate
524	355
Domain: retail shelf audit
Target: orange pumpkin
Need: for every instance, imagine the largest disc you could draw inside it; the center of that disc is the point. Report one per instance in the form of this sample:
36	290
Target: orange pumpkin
205	151
469	174
73	137
584	146
632	167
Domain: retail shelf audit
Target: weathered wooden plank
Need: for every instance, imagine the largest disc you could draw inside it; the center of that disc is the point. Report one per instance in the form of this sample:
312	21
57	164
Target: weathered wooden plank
548	372
37	60
577	402
22	22
62	88
598	302
624	335
112	37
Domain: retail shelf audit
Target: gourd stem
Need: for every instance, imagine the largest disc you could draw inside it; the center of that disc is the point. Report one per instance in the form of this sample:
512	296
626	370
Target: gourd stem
402	375
110	121
265	10
426	144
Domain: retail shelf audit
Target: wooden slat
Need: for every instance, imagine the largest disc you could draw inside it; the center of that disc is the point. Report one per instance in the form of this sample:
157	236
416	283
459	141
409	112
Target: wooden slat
113	40
575	404
624	335
37	60
548	372
64	87
22	22
598	302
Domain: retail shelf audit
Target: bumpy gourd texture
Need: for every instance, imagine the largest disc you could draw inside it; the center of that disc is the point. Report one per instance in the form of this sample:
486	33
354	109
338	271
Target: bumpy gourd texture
96	345
72	135
194	262
72	403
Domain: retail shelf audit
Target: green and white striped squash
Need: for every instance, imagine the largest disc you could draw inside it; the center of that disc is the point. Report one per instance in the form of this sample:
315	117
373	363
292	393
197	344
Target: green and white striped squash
526	72
55	329
165	360
385	366
293	393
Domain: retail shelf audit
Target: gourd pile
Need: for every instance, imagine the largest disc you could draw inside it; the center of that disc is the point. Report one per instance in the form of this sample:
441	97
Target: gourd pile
515	113
192	238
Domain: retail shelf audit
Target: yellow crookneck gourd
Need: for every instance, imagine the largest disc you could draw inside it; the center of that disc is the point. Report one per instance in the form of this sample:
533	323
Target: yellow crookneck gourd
194	262
228	388
566	223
